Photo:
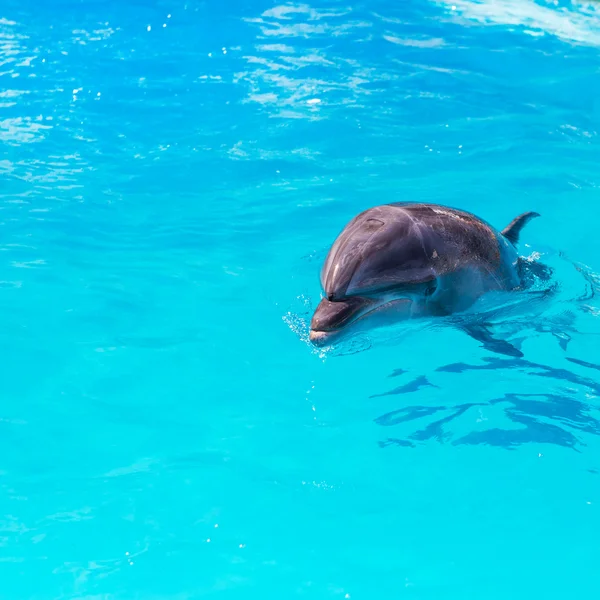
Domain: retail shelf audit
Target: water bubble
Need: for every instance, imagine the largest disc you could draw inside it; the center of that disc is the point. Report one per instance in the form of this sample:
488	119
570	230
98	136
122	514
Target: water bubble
149	28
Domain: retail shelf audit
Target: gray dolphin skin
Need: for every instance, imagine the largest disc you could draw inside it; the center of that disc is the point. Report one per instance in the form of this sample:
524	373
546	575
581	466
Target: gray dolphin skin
406	260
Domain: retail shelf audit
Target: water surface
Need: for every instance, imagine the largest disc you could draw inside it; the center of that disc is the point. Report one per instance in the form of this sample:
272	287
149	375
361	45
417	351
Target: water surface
173	174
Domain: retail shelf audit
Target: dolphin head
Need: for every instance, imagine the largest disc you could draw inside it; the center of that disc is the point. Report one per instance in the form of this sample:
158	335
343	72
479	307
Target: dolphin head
384	261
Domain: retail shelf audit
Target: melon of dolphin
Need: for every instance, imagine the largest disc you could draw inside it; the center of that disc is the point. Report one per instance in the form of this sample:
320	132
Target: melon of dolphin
409	260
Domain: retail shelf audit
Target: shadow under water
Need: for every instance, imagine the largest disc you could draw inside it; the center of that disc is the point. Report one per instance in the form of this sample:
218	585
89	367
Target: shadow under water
540	418
548	418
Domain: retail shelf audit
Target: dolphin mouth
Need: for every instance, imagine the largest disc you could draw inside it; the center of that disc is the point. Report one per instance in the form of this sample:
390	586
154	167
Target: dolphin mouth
332	318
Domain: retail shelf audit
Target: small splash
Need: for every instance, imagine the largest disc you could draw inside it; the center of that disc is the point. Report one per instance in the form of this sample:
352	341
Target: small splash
323	485
299	315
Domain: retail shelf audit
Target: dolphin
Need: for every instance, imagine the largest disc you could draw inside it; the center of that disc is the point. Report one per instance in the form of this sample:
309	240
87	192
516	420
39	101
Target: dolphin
407	260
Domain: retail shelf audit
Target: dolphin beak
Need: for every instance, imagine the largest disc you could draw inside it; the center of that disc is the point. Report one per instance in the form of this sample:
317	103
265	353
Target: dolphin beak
331	318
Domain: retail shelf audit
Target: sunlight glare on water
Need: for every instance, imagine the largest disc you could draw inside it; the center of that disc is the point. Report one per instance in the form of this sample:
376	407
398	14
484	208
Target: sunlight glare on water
173	175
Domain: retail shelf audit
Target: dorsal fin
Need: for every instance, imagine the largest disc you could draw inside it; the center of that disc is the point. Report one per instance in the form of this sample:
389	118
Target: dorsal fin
512	231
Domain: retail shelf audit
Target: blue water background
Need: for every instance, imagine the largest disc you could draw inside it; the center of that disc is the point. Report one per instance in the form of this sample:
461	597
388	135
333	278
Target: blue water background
172	174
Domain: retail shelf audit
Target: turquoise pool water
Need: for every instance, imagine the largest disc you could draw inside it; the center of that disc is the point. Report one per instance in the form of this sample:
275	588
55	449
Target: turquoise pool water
173	173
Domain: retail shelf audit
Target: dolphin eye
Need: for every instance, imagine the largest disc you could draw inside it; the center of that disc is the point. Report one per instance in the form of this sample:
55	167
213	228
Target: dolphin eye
431	289
330	297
